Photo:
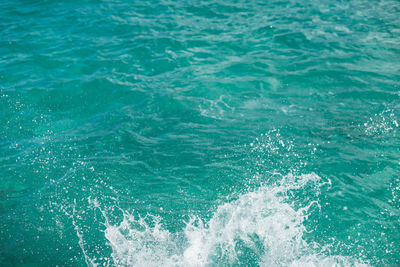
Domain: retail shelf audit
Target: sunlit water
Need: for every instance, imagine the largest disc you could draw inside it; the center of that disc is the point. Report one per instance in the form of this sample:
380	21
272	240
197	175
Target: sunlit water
200	133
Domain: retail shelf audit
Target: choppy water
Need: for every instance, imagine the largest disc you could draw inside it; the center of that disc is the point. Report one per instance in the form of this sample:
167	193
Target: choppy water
200	133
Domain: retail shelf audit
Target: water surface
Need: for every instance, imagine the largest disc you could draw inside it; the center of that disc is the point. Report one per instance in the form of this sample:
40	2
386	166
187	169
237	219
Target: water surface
199	133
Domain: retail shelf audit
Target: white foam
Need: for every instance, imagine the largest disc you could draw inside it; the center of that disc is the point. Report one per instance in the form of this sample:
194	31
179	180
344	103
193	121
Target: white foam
265	222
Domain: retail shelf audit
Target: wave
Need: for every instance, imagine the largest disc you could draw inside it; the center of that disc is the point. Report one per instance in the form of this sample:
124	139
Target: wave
264	226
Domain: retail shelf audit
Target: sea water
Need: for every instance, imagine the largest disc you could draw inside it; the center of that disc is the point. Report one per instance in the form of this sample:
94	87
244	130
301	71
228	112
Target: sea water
200	133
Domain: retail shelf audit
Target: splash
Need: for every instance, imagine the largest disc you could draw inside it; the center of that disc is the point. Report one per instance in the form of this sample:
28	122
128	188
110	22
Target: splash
263	226
382	123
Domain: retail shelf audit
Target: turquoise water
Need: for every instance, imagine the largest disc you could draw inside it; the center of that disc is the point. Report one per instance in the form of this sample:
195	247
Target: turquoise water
200	133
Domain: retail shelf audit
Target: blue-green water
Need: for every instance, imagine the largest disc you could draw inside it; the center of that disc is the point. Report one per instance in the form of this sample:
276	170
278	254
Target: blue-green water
200	133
